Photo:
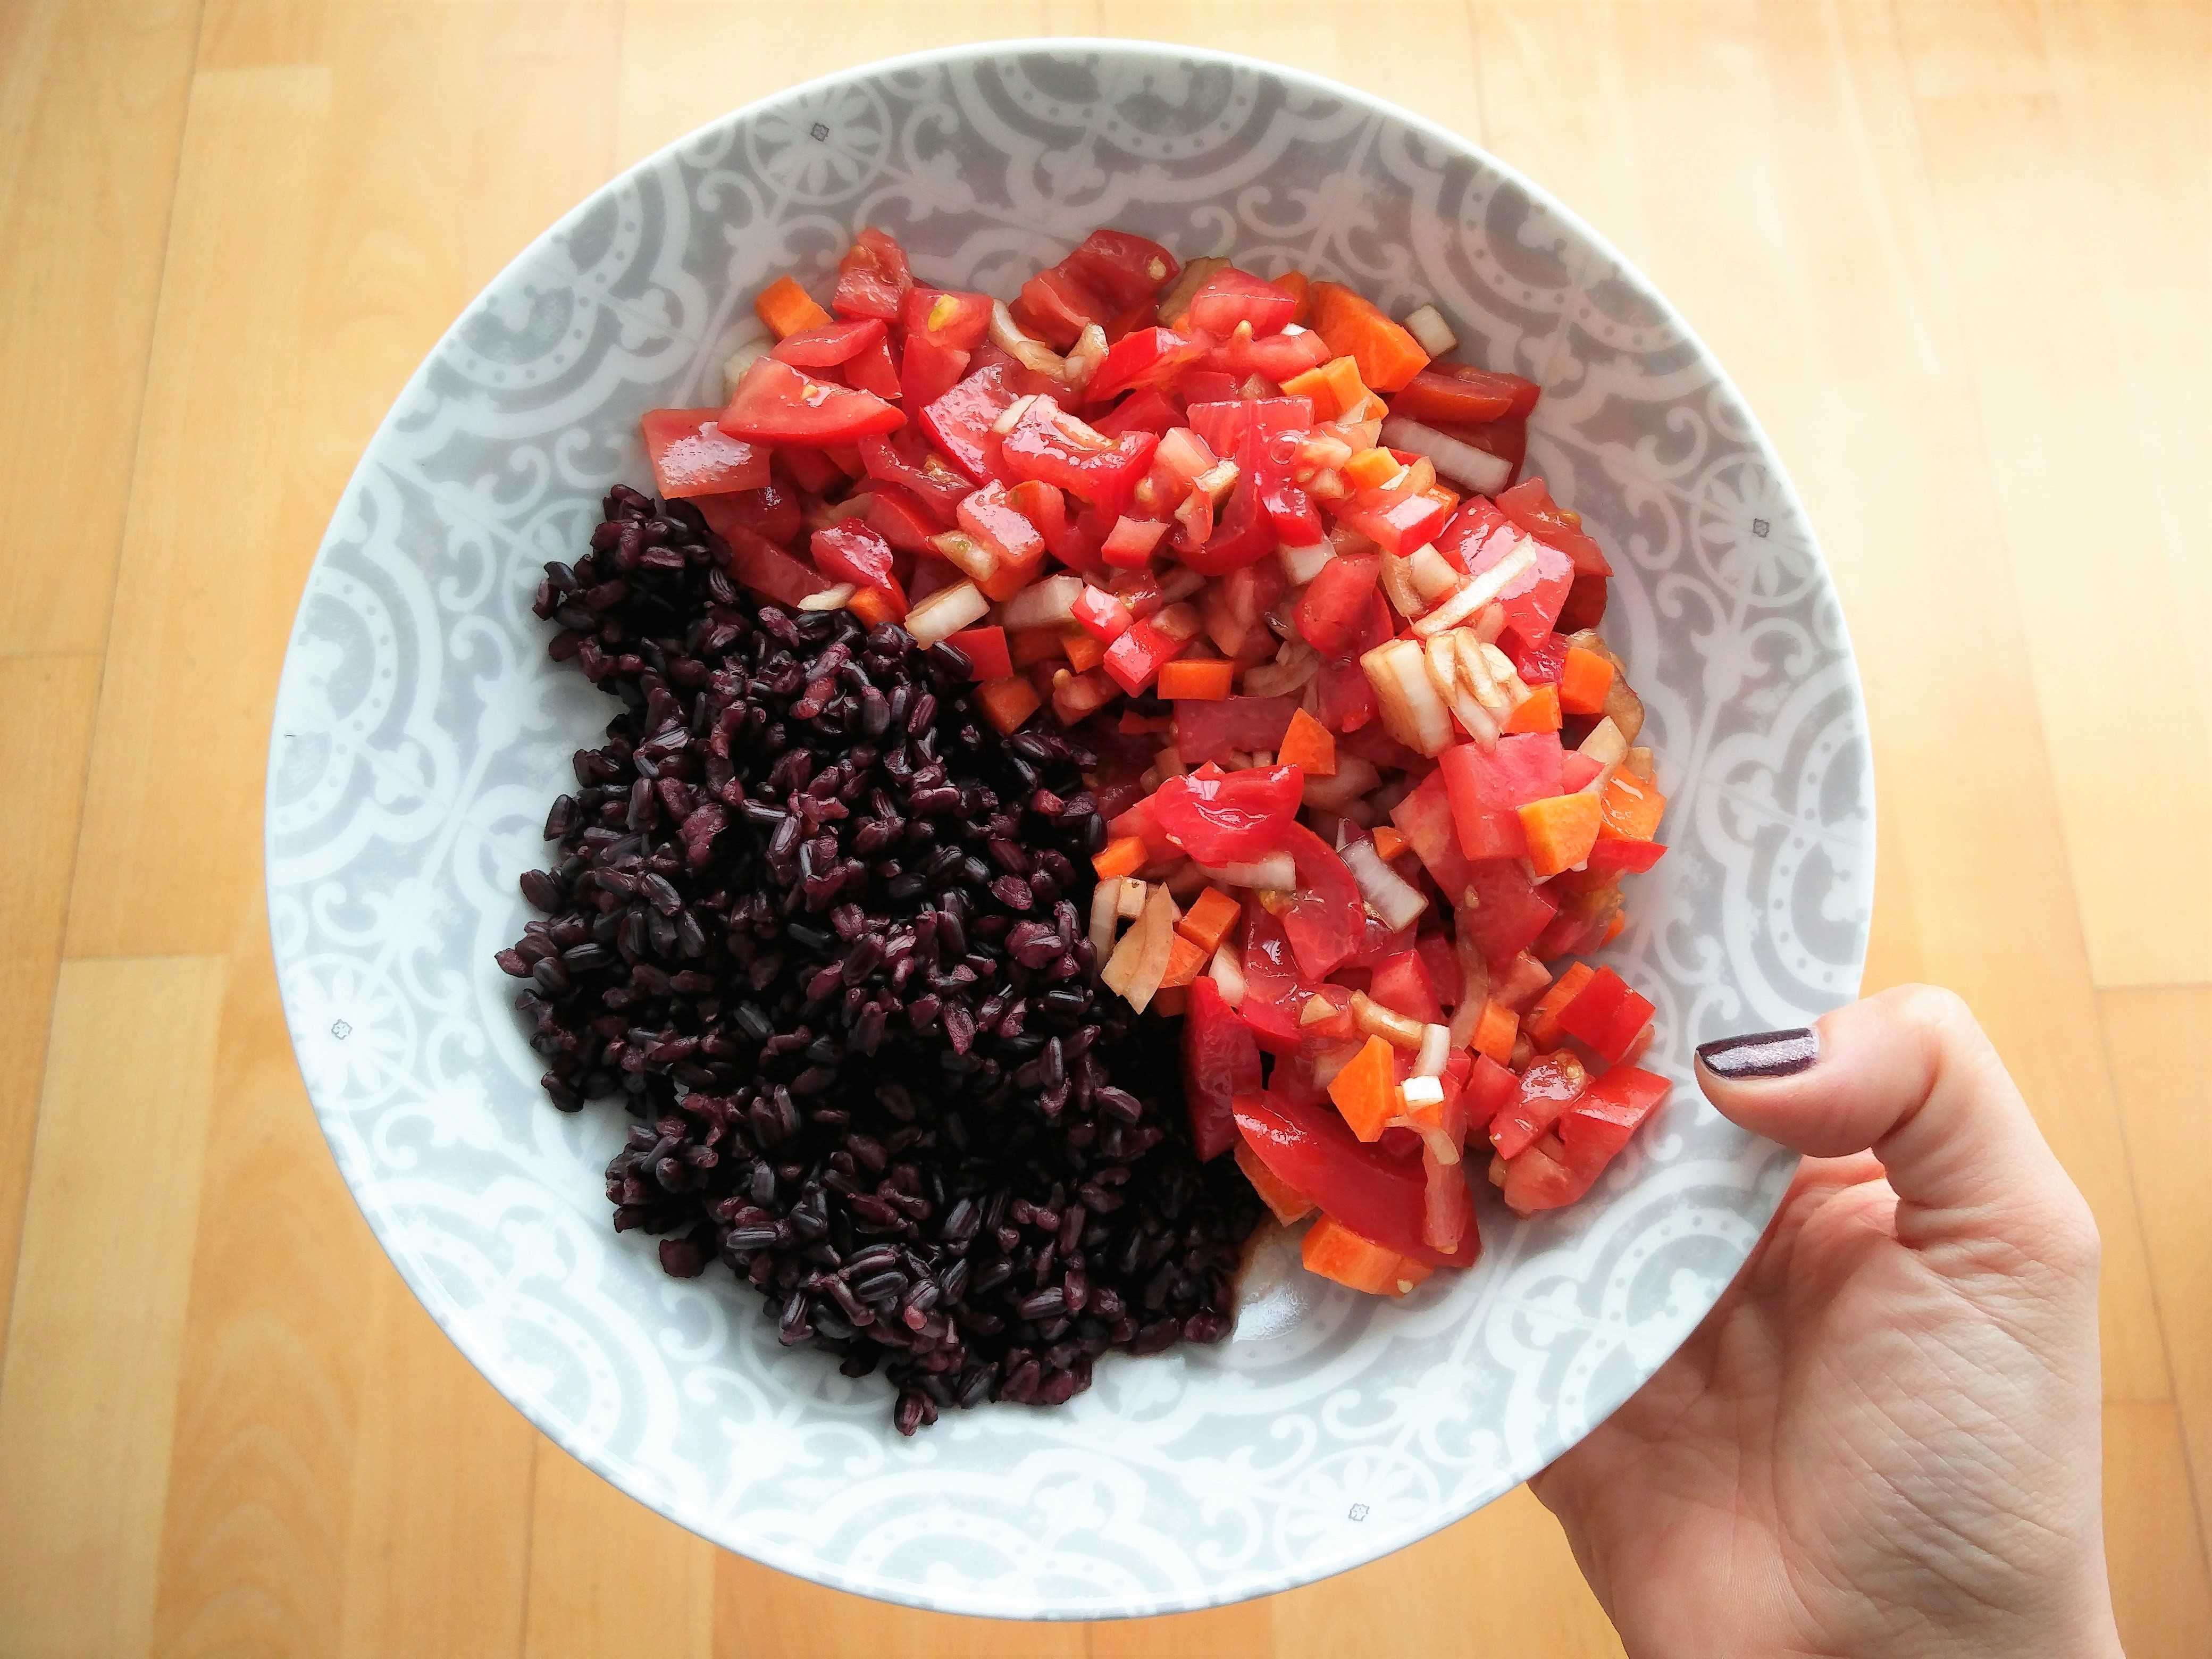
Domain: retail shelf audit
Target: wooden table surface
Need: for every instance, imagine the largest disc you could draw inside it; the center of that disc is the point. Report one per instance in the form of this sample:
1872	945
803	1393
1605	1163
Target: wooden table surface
1958	255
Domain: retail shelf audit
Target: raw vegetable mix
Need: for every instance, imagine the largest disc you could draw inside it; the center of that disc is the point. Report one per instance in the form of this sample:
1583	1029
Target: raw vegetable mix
1371	767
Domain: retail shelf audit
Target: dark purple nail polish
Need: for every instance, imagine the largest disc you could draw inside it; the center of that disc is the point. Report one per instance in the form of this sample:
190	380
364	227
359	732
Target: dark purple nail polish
1761	1053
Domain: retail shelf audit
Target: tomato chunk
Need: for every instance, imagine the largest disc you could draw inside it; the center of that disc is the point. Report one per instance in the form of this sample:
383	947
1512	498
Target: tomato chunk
776	404
1235	817
1220	1061
691	455
1381	1198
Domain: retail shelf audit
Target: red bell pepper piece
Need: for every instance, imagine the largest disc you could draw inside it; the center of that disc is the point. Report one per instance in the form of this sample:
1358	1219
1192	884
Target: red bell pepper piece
1606	1015
1102	615
1455	394
1134	660
1613	854
1598	1122
986	652
1148	410
1397	520
1546	1088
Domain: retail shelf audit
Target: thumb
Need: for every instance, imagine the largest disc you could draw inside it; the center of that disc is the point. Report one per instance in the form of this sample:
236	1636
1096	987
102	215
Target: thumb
1909	1075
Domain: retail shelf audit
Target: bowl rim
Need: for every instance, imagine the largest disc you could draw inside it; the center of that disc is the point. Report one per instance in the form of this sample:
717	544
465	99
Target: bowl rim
813	1569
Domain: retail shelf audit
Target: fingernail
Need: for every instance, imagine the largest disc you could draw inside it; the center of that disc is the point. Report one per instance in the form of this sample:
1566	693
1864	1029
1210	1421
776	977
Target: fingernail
1762	1054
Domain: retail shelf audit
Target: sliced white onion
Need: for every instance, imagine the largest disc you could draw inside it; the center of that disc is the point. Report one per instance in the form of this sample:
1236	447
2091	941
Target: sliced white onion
1180	583
1294	665
1624	708
1436	1049
1131	899
1275	873
1640	762
1044	604
1434	575
1329	1061
1608	749
1085	356
1177	300
1427	324
1217	481
734	367
1389	894
1139	962
1489	622
1473	980
1180	623
1400	588
1422	1088
1411	711
1007	335
944	612
1228	973
1470	468
1354	778
1302	564
1512	690
959	549
1169	762
1393	1027
1479	590
830	598
1011	416
1443	661
1105	913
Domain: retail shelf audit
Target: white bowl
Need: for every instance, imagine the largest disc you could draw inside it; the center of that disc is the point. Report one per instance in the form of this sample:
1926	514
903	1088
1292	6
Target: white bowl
420	734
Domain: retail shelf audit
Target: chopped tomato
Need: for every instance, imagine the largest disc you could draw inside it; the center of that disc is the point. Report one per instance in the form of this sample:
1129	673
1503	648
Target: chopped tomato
1209	730
1057	449
1235	817
1229	297
1402	982
1057	307
1326	915
852	552
1146	357
756	563
1546	1088
1598	1122
986	650
1148	410
691	455
829	345
1606	1015
1334	602
959	423
1309	1148
1396	520
1126	269
945	318
1529	504
1456	393
1134	660
1509	912
1220	1061
777	404
872	278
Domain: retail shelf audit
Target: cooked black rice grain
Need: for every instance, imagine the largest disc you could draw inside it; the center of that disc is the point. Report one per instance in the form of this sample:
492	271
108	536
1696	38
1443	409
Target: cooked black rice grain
818	928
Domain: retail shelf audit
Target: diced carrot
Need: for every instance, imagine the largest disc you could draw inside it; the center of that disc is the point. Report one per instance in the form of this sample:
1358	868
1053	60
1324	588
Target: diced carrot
789	309
1209	919
1310	745
1371	468
1334	1251
1631	807
1085	651
1034	645
1539	713
1299	286
1124	857
1334	389
1366	1090
1543	1025
1389	841
1185	962
1561	830
874	607
1585	680
1170	1001
1614	928
1495	1031
1190	680
1356	328
1008	702
1288	1203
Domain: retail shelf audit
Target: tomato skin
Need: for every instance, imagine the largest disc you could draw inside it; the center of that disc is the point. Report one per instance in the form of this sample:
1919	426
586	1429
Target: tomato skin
1335	602
1220	1061
1270	970
1379	1197
1231	296
1456	393
873	277
1143	357
691	455
1229	817
1326	915
830	345
851	551
777	404
946	317
1124	269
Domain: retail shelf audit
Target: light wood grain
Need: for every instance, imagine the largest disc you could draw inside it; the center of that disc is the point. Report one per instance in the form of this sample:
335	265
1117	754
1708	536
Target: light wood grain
1959	255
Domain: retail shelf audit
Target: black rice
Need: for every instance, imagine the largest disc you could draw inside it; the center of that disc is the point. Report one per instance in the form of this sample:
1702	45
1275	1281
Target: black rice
818	927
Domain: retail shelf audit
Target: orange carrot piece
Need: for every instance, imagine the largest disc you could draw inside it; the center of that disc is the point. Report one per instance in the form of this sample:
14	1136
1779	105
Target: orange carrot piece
1334	1251
1371	468
1086	650
1124	857
1288	1203
1389	841
1539	712
1188	679
1585	680
1561	830
1309	745
1209	919
1495	1031
1169	1001
873	606
1299	286
1630	808
1334	388
1366	1090
1542	1024
789	309
1186	960
1032	646
1008	702
1356	328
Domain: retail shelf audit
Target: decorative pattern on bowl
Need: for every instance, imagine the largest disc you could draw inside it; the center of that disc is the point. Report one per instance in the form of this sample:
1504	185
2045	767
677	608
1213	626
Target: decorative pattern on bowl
420	734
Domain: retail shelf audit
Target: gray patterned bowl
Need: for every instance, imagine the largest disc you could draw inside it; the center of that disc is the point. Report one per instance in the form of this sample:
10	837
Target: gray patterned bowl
420	733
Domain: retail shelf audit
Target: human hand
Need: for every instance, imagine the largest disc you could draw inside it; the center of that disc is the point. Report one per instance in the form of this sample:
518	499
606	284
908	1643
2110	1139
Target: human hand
1885	1437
